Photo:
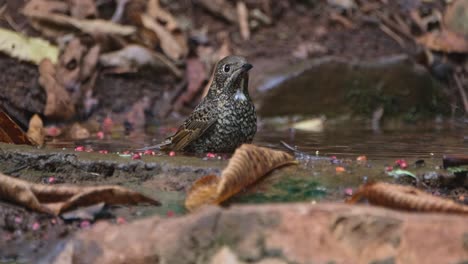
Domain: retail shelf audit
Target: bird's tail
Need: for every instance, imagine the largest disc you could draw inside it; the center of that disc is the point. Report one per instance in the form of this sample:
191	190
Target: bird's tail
160	146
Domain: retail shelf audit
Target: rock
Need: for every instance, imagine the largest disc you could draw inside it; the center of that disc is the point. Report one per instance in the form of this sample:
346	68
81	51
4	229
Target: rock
335	86
288	233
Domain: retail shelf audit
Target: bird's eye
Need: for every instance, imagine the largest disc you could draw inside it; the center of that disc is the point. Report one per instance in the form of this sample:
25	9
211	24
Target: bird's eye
227	68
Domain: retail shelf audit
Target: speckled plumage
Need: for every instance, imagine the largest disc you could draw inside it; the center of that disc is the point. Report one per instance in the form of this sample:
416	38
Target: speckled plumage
225	118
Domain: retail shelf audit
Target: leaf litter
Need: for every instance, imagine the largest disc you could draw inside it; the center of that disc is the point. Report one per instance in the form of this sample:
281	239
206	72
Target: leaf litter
57	199
248	165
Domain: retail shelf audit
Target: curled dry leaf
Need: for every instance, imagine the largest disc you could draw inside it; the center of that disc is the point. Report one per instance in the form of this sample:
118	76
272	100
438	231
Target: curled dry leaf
134	56
445	41
406	198
36	132
26	48
56	199
10	132
248	164
59	104
169	44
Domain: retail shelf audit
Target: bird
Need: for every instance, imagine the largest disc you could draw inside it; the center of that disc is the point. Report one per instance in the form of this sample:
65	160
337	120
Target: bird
224	119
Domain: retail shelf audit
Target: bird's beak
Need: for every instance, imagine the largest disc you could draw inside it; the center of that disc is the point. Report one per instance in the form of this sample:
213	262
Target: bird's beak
246	67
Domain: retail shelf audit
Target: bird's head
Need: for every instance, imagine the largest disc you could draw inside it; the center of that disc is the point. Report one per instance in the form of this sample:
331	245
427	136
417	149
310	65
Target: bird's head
231	76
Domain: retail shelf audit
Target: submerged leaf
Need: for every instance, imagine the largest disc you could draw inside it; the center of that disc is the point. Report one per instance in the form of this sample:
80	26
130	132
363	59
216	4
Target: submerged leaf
26	48
445	41
406	198
248	164
57	199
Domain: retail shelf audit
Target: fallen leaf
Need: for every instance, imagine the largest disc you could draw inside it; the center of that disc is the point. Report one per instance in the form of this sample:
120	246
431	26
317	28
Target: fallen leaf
56	199
78	132
157	12
312	125
243	15
10	132
445	41
203	191
36	132
220	8
169	43
91	26
83	8
248	164
456	17
46	6
133	57
26	48
59	104
196	75
406	198
401	173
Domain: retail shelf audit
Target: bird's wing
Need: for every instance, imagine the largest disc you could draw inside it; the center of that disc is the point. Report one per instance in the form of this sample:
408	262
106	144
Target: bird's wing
187	133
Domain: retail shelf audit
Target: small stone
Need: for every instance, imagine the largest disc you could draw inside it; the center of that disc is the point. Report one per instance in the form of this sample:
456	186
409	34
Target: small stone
18	220
340	169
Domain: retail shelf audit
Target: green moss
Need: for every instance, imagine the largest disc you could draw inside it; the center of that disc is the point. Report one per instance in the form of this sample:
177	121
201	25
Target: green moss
288	190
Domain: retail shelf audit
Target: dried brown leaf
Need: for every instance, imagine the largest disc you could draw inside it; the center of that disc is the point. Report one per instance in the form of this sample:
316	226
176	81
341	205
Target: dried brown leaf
49	21
445	41
157	12
406	198
133	56
82	8
248	164
36	132
243	14
10	132
456	17
58	104
169	44
220	8
196	75
60	198
46	6
203	191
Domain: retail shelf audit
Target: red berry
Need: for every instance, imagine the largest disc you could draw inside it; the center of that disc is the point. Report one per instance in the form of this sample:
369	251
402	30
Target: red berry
100	135
172	153
170	213
80	148
136	156
121	220
104	151
210	155
149	152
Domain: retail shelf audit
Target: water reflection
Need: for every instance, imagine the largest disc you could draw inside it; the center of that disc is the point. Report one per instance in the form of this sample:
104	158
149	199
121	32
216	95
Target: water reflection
341	142
375	145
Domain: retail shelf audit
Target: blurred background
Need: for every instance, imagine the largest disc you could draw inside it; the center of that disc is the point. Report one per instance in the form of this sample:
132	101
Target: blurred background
342	77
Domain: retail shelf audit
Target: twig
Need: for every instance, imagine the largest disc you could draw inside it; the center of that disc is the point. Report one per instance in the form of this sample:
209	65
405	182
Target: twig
342	20
462	91
392	34
243	15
